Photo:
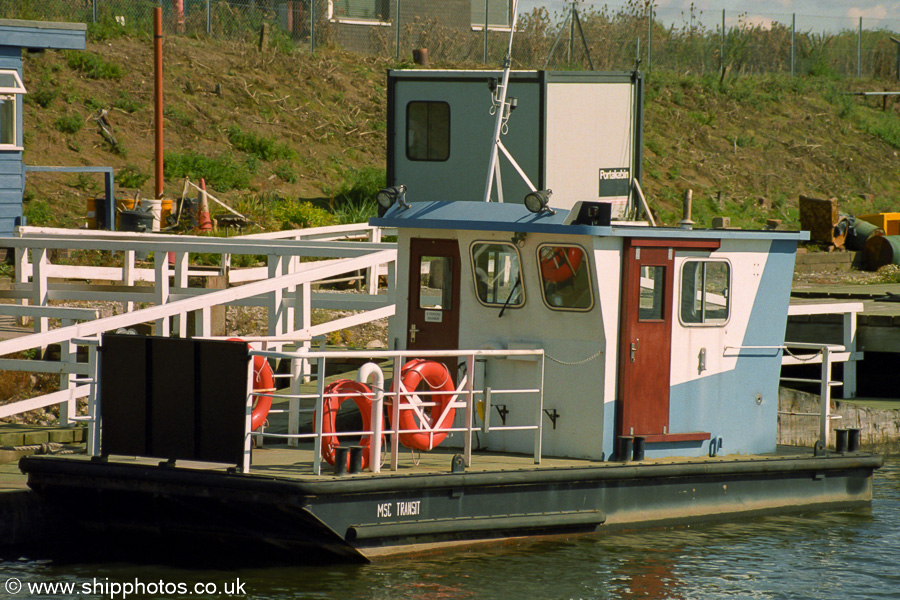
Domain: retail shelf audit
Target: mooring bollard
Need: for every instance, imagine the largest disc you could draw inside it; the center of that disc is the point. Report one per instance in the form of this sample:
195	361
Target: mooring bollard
340	460
840	440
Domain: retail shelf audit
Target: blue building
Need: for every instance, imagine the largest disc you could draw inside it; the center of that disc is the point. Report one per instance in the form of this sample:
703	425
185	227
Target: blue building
15	36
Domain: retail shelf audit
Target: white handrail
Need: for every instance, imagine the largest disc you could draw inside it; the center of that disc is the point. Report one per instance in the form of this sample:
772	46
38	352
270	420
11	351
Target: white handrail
463	397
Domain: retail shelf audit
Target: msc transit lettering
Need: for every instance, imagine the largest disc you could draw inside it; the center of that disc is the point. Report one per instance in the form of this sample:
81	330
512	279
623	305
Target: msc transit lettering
404	508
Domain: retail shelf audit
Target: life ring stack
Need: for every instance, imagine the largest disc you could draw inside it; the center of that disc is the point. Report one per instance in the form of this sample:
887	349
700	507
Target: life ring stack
336	394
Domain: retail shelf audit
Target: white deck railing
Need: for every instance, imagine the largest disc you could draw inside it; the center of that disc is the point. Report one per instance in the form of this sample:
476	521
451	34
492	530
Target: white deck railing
466	397
284	286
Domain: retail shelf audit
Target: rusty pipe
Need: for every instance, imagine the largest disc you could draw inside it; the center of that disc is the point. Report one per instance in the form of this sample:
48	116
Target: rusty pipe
158	96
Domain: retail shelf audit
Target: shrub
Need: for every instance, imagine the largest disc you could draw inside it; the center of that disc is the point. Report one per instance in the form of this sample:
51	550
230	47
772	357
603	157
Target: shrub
93	66
222	173
356	211
285	172
295	214
131	177
69	124
37	212
264	148
43	96
125	102
359	185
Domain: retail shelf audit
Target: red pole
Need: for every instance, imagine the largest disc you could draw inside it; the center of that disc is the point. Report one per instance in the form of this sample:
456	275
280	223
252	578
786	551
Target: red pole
178	5
158	93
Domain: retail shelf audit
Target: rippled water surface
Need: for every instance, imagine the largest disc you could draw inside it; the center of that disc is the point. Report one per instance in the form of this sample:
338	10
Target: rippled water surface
853	555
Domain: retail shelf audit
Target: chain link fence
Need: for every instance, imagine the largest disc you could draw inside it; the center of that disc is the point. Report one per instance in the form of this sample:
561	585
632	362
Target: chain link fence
556	35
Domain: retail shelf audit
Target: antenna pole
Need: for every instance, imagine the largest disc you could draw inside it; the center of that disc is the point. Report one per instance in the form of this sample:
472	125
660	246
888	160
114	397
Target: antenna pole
501	108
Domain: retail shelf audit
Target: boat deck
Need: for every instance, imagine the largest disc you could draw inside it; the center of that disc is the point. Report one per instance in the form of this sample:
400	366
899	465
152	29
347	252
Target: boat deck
284	463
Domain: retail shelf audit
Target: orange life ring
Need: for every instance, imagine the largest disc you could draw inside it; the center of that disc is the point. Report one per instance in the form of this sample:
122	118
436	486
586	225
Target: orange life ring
263	381
559	264
335	394
436	376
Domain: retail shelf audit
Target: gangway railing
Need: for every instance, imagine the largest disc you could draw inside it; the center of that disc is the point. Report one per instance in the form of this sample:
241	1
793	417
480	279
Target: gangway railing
467	396
287	292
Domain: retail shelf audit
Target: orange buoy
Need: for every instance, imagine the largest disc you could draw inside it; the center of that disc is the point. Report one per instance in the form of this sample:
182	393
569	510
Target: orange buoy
335	395
559	264
437	378
263	381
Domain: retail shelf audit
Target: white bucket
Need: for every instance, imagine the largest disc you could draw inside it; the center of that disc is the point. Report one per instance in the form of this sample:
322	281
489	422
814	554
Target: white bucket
155	207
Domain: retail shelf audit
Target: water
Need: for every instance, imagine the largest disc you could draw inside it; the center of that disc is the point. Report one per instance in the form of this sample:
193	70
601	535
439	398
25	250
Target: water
846	555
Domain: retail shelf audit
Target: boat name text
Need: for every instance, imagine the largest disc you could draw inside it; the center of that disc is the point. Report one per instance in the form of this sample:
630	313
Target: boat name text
401	508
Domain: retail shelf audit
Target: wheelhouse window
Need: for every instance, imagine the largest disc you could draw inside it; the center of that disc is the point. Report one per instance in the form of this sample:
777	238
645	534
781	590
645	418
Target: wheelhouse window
498	14
362	11
705	292
428	131
498	279
435	283
10	89
565	277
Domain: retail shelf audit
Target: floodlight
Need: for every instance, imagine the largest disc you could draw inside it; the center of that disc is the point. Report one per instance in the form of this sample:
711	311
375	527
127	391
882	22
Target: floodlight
537	200
387	197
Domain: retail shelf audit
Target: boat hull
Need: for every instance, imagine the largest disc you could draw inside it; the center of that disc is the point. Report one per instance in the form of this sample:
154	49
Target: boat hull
357	518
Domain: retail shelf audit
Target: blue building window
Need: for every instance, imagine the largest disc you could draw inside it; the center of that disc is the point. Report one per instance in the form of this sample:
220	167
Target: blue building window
10	89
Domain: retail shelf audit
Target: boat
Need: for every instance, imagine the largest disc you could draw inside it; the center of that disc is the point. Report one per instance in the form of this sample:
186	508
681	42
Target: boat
554	369
602	375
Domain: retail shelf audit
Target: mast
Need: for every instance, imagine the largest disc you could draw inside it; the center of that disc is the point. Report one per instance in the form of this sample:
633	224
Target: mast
503	108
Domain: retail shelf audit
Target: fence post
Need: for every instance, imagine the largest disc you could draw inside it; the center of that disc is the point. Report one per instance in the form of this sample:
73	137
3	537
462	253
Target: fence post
650	41
208	18
486	31
859	51
825	398
793	31
571	35
722	49
312	25
94	7
397	19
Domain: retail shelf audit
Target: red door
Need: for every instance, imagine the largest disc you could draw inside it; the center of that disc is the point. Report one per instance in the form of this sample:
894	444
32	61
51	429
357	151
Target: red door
645	345
433	321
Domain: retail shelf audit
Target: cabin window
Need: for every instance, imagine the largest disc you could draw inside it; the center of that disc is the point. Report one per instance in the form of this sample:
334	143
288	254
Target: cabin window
364	11
498	280
435	282
10	89
428	131
565	277
705	292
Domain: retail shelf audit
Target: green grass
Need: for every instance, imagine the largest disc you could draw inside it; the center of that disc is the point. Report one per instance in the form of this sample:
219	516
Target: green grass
93	66
37	212
358	185
262	147
222	173
69	124
131	177
43	96
303	214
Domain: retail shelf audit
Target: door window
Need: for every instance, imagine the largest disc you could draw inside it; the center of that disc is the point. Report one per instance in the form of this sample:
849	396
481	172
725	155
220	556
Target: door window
435	283
653	287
